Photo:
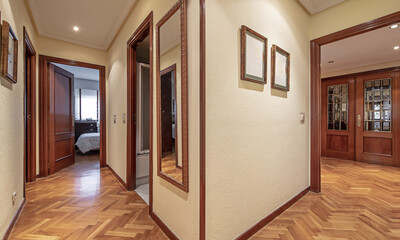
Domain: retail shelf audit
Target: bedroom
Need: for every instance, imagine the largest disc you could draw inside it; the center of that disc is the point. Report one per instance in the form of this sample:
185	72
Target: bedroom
86	113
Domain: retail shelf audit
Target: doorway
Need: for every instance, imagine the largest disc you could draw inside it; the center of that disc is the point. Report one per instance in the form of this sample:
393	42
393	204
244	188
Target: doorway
72	98
29	109
357	117
140	111
316	92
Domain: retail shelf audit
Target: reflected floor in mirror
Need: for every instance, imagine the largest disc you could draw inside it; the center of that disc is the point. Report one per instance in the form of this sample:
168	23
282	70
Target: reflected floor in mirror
168	166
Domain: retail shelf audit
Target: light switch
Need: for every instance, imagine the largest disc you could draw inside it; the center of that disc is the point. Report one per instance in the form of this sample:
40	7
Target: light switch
302	118
124	118
115	118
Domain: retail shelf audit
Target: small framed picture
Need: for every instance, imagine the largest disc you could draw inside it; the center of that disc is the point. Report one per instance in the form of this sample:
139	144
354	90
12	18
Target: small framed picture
9	53
253	56
280	69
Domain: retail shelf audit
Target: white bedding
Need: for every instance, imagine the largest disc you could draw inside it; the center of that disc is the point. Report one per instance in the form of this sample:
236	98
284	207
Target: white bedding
88	141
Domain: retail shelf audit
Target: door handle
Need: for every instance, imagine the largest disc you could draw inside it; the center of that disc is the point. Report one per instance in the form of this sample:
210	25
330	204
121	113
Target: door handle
358	120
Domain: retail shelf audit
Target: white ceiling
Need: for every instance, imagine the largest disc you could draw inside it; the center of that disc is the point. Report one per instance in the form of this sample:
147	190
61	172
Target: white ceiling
98	20
361	50
81	72
315	6
170	33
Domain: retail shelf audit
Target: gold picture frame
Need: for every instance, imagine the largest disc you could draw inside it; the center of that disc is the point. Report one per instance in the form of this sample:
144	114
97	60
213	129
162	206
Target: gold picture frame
280	69
253	56
9	53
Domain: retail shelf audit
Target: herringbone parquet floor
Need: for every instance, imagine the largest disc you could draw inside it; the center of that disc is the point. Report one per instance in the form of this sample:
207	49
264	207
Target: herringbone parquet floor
168	166
84	202
358	201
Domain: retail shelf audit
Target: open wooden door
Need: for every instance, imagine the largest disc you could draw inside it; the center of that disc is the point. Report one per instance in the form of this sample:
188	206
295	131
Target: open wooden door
61	119
377	117
337	120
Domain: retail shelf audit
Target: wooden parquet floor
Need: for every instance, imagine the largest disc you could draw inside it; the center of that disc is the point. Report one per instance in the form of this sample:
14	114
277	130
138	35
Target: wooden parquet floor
358	201
168	166
84	202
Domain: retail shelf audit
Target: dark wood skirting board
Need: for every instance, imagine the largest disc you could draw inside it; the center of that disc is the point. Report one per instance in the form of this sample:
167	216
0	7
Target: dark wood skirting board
163	227
263	222
117	176
14	220
315	83
202	209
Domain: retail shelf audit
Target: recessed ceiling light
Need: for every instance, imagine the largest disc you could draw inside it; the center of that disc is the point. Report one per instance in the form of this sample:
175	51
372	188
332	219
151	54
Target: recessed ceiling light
396	47
331	61
394	26
76	28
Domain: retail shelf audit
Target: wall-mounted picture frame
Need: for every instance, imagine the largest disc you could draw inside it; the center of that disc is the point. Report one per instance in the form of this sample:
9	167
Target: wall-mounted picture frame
9	53
253	56
280	68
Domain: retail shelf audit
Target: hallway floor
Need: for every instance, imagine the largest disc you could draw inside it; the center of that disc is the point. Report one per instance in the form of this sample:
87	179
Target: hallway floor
358	201
84	202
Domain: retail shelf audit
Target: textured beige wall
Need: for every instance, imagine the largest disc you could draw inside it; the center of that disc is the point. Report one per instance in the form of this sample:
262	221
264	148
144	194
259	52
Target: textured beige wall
257	150
177	209
361	69
173	56
11	118
350	13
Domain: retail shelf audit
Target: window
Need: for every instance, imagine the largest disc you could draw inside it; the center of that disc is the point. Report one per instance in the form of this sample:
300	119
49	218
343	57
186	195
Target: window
378	105
338	99
87	104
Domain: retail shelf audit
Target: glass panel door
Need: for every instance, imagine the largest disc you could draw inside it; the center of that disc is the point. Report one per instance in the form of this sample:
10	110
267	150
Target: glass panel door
377	105
338	100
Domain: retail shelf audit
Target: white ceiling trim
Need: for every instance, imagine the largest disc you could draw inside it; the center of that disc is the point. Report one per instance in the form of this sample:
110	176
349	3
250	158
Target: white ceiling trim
109	36
316	6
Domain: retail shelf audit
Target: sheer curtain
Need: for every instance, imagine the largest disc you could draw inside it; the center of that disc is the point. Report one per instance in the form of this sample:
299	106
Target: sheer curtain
86	104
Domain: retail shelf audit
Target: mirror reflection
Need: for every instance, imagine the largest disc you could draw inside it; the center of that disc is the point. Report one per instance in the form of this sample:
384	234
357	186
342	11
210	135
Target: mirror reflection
170	105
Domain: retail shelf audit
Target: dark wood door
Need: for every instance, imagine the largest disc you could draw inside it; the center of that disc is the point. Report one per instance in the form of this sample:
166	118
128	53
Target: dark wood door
337	118
166	113
61	119
377	118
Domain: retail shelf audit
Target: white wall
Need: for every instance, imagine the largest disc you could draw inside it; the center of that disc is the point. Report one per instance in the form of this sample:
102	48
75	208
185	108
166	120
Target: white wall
257	150
361	69
86	84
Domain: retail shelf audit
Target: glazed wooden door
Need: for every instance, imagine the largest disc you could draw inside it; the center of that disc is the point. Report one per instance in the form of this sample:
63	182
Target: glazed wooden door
337	118
61	119
377	119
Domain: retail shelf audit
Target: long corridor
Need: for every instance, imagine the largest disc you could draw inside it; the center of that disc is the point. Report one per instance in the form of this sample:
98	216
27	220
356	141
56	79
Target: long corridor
84	202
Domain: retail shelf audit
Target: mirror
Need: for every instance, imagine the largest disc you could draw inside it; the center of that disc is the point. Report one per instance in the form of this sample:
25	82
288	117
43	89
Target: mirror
172	106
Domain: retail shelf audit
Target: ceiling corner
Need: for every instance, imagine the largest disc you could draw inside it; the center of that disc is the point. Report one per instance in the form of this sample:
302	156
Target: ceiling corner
29	10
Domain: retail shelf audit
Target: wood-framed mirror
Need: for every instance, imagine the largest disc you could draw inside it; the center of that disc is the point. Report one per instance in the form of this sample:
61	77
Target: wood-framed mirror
172	96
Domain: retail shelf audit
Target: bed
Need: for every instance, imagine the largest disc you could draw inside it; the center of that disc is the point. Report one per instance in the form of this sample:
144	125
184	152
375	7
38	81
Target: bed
88	142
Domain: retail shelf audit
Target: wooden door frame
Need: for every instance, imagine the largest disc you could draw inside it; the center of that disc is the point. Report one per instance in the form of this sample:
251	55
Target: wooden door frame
29	107
315	82
144	30
170	69
44	110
